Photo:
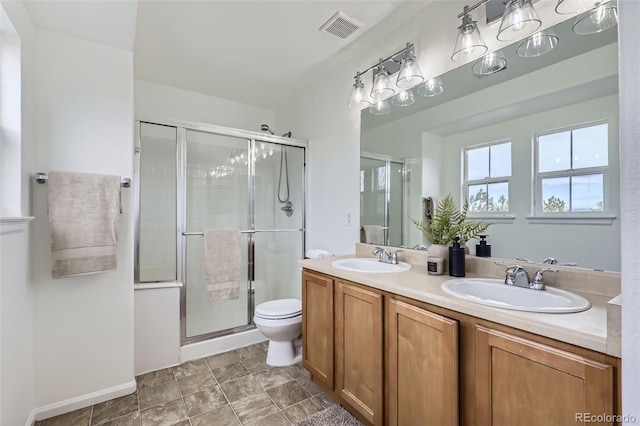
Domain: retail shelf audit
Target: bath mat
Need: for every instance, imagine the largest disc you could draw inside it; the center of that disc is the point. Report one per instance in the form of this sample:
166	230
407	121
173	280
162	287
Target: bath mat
332	416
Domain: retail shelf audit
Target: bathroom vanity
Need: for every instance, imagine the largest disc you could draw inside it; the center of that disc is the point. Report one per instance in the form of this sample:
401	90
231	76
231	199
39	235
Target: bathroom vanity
394	349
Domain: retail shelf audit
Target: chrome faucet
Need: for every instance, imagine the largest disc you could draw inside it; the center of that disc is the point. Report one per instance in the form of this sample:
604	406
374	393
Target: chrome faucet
518	276
386	256
537	283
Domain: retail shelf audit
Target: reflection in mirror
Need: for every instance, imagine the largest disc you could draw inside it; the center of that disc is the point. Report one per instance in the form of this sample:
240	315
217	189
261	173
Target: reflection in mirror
533	148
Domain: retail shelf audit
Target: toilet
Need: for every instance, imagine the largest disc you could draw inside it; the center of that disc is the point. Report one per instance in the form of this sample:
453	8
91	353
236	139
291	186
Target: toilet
281	322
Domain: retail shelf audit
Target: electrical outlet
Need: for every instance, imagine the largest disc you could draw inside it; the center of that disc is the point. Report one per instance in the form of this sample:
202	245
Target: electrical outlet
349	221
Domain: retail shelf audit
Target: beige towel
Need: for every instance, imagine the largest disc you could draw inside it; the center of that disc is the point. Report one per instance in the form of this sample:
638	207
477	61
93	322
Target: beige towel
222	260
83	218
373	234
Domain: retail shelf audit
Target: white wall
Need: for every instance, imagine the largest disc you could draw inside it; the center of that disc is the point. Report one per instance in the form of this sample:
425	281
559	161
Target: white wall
630	203
154	100
83	325
16	293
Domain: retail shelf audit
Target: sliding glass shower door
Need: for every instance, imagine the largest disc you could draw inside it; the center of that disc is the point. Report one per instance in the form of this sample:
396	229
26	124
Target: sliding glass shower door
217	197
253	186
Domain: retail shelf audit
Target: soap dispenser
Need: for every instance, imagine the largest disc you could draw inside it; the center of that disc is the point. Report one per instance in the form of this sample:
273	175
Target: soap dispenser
483	249
456	259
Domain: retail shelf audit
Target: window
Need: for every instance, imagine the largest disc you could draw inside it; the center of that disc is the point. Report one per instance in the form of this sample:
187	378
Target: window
487	170
571	170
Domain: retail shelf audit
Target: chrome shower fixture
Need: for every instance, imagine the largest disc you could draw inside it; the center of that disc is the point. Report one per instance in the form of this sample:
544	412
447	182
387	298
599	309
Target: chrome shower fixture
266	128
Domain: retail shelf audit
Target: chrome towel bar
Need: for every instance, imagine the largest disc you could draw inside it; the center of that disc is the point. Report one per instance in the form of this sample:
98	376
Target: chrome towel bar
42	178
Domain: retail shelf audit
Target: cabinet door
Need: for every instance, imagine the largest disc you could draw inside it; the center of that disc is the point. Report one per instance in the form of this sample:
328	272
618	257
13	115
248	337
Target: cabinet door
359	368
423	367
317	327
520	382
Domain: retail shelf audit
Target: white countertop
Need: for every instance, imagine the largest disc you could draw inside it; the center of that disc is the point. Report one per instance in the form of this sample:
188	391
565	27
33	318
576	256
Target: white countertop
587	329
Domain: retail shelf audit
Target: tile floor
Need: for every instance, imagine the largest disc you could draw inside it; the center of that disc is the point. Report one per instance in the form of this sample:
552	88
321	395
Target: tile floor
227	389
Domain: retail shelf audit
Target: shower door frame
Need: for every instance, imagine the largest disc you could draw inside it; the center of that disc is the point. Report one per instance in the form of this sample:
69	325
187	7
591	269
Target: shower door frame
181	202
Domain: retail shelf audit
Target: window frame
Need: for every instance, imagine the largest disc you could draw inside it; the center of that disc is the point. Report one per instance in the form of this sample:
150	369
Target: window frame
538	177
466	182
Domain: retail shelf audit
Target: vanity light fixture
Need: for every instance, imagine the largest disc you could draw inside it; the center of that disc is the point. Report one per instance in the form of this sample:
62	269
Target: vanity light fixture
359	98
402	62
382	87
602	17
537	44
433	87
381	107
469	44
404	98
518	20
409	74
491	63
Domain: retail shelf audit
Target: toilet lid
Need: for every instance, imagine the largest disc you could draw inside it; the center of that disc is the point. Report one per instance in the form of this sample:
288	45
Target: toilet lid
279	308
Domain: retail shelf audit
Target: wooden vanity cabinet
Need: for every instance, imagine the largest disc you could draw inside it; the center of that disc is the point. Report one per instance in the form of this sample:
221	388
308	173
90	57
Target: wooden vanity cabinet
391	360
359	350
422	367
317	327
522	382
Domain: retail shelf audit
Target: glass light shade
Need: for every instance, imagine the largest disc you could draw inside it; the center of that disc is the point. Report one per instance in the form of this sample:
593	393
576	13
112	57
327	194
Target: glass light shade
569	7
538	44
404	98
469	44
432	87
603	17
490	64
519	20
359	98
382	87
380	108
409	74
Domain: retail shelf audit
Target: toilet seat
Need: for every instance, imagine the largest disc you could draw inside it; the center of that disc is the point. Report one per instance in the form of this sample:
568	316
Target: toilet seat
279	309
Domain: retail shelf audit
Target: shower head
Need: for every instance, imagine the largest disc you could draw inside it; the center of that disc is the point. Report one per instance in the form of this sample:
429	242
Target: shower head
287	135
265	128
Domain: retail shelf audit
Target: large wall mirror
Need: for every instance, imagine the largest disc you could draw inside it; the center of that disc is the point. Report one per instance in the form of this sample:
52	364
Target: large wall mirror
533	148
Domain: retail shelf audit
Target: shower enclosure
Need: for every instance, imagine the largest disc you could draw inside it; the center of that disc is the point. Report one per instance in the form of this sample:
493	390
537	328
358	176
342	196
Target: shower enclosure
208	177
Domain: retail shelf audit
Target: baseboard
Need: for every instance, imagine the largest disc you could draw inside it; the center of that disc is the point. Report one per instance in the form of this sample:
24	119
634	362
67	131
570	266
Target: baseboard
32	418
220	344
76	403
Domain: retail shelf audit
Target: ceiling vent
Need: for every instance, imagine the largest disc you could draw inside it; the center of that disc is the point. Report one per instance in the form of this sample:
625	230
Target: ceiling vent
341	26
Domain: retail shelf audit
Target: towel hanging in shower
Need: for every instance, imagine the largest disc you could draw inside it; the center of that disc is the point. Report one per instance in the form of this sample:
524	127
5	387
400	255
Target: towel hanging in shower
222	264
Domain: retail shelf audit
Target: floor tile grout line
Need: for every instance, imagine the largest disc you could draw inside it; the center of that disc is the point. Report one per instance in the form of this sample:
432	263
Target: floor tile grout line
186	410
91	415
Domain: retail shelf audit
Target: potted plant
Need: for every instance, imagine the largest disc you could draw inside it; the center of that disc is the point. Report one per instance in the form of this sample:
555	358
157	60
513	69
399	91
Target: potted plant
449	222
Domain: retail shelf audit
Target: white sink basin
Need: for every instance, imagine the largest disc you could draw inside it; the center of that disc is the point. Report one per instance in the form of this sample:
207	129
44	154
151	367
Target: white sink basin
496	293
369	265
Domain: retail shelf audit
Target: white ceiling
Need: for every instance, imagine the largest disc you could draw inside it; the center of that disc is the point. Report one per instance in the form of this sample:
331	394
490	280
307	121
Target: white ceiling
102	21
257	52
